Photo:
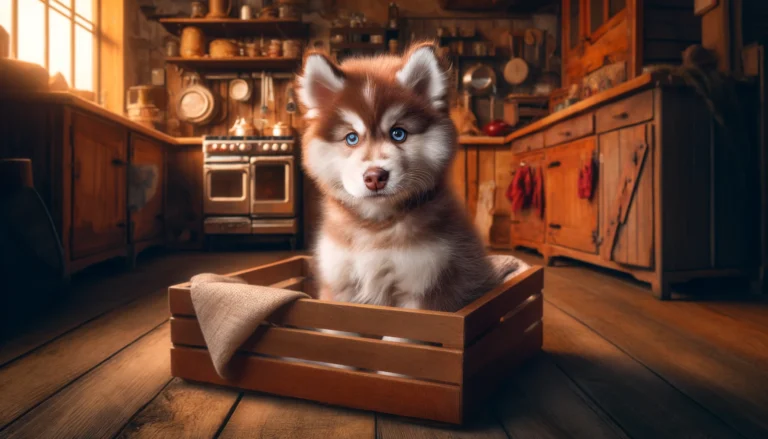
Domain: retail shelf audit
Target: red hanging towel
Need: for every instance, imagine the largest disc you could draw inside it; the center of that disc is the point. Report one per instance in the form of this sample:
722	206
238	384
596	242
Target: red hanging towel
587	180
520	189
537	199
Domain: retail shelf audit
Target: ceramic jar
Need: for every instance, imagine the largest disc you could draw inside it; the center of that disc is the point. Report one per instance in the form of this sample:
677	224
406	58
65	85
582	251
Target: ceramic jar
192	42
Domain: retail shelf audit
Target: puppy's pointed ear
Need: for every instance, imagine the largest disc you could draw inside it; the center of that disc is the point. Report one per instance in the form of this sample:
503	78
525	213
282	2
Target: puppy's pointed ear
319	81
423	74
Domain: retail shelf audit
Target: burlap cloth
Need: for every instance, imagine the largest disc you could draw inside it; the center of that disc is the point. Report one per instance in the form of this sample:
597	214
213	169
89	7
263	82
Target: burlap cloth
229	310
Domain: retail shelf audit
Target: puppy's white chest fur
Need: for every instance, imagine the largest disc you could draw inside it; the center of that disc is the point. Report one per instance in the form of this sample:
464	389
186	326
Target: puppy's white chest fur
389	276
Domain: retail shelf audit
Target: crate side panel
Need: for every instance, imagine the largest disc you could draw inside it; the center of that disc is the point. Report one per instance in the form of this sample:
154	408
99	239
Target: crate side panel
504	338
485	382
435	327
360	390
486	311
418	361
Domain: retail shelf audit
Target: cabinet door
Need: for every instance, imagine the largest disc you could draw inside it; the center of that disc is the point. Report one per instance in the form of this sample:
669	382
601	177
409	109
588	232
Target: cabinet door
527	224
99	186
634	239
571	221
573	31
146	183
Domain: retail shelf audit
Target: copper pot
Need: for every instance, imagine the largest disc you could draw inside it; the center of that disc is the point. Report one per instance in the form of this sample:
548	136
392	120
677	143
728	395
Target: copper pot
192	42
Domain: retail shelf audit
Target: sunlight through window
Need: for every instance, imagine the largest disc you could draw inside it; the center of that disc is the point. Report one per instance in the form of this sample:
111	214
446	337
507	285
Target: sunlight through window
66	46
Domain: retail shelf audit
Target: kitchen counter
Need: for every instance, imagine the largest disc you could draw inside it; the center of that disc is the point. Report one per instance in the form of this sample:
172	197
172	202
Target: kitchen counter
70	99
634	85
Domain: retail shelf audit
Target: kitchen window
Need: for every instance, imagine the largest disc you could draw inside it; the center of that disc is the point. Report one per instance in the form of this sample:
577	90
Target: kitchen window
60	35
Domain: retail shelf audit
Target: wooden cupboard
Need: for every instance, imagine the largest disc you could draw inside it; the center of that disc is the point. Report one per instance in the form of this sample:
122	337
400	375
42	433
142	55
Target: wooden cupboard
637	32
526	226
147	190
571	221
99	164
618	154
672	201
84	161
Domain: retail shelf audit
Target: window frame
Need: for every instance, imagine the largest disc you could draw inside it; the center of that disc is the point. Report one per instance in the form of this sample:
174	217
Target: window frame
73	17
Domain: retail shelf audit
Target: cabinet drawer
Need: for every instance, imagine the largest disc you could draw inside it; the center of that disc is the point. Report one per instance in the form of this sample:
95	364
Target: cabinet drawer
630	111
528	143
570	129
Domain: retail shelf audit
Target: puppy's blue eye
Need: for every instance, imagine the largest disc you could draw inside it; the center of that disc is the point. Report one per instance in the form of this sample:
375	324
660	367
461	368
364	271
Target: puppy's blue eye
397	134
352	139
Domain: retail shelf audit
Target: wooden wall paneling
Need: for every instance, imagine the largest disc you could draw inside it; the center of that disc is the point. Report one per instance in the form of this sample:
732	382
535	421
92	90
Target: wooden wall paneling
687	244
716	33
458	174
472	179
500	231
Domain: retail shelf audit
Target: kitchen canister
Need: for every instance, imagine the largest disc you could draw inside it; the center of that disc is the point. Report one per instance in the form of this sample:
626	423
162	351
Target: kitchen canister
192	42
246	12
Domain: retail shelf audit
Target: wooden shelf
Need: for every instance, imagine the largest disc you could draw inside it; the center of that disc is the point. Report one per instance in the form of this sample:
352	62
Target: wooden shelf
233	27
449	38
358	46
476	57
235	64
365	30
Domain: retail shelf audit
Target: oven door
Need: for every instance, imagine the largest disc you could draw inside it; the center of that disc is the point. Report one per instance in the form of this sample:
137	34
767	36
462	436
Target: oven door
227	189
272	186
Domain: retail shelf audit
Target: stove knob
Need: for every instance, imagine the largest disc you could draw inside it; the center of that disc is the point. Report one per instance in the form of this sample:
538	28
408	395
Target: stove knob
243	147
213	147
284	147
232	146
274	147
265	146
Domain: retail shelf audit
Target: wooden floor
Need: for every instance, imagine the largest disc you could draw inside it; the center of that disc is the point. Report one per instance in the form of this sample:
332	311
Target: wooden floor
617	363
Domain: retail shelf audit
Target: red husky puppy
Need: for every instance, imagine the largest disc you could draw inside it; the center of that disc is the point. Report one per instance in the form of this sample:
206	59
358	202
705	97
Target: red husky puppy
378	144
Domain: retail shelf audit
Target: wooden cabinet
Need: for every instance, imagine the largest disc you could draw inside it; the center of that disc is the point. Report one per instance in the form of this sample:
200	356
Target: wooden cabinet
527	225
592	31
570	221
627	238
146	189
636	32
99	216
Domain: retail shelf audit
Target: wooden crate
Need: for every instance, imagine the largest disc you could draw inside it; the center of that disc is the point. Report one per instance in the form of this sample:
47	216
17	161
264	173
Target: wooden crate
469	351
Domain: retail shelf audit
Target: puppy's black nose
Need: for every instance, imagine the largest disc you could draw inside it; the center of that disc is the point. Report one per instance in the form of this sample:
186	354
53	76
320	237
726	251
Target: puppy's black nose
375	178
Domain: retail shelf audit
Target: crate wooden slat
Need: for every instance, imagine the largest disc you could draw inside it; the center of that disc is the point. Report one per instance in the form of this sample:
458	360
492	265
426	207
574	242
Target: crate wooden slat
427	362
470	350
362	390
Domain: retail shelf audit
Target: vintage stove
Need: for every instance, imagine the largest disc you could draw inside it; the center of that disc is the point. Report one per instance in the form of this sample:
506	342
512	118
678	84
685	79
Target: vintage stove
251	186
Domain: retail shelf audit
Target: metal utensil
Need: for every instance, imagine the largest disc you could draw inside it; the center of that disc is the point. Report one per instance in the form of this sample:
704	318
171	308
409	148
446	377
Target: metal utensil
479	79
263	96
516	70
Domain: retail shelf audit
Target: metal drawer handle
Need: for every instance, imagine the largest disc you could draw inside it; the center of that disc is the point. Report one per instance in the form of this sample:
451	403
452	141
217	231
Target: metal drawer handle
118	162
555	226
554	164
621	116
565	133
